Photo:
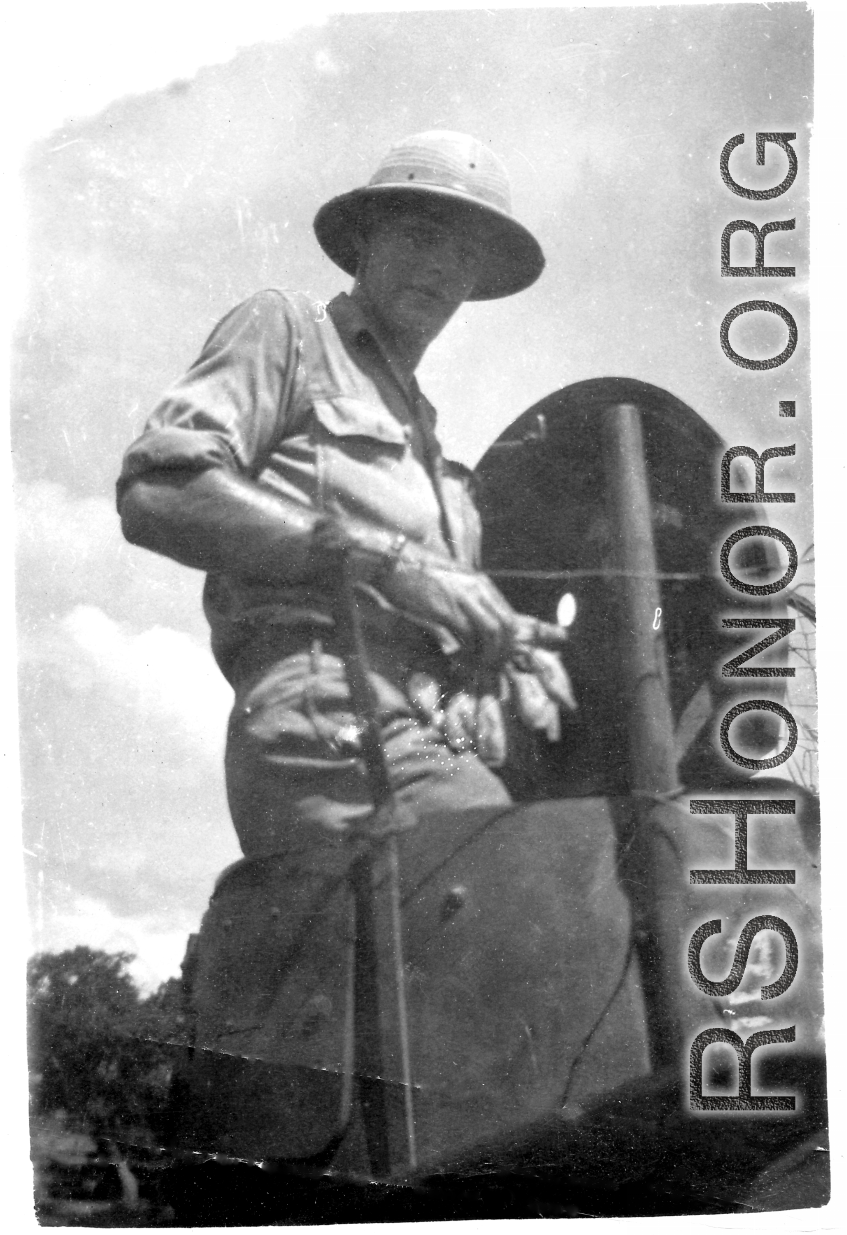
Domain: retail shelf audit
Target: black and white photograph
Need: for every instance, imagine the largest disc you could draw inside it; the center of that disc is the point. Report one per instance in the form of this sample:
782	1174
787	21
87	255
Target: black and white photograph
416	647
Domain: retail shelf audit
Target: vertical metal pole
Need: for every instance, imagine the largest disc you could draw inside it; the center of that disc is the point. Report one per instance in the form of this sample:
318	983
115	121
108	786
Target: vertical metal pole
646	872
368	1012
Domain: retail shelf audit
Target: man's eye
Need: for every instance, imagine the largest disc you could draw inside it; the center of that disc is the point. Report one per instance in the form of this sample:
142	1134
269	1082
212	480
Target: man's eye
418	231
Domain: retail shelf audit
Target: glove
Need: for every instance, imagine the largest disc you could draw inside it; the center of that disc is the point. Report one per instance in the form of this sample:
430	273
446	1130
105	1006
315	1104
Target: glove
539	688
476	723
469	722
534	681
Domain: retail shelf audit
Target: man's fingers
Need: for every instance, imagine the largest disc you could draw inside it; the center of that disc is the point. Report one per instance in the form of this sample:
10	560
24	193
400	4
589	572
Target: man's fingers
472	607
549	635
501	630
490	617
531	632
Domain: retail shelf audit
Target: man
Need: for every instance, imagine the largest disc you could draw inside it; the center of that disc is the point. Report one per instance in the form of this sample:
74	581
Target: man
298	438
297	426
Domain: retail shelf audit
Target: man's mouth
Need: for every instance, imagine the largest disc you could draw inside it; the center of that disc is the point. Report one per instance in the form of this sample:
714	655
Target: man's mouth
428	293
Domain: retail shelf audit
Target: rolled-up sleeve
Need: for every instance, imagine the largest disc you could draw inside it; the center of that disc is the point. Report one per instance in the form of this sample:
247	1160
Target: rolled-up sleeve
232	404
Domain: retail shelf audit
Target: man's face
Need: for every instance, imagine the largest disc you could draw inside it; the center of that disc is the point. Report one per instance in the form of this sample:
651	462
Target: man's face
416	267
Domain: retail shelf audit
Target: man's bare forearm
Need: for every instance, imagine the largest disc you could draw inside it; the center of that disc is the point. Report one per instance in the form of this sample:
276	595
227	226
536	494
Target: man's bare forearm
216	521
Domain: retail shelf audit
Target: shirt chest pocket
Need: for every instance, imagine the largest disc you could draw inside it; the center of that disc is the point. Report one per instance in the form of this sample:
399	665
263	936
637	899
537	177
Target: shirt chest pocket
347	422
359	448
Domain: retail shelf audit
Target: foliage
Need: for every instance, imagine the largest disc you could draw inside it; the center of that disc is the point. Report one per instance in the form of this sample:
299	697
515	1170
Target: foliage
97	1049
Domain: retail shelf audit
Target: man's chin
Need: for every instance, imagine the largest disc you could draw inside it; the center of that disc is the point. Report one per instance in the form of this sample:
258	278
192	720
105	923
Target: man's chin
427	315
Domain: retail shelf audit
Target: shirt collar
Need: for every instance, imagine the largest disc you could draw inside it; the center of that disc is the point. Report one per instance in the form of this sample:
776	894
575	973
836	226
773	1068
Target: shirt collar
352	325
350	321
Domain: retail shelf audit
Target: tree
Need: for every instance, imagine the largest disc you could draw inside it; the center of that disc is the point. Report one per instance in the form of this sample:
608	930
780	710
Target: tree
84	1050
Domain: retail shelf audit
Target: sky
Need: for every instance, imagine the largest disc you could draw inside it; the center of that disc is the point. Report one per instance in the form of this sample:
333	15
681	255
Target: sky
168	179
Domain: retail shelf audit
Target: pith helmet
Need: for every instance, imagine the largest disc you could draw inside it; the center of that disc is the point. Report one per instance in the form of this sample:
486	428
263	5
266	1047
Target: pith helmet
450	167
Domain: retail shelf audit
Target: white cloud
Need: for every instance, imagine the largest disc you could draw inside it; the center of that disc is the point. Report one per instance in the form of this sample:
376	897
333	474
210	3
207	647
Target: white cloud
123	723
54	524
70	551
165	671
158	952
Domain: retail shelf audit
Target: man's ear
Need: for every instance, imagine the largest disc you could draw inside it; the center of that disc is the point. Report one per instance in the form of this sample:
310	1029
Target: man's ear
359	239
360	245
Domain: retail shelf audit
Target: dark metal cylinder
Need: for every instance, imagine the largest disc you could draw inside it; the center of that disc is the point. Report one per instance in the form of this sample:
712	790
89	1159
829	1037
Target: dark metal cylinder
648	876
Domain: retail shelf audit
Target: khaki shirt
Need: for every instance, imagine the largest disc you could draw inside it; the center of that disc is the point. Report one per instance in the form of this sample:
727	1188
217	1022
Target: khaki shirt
300	397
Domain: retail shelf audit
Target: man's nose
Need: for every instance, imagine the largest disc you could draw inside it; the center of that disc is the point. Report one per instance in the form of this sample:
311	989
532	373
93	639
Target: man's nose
439	255
447	257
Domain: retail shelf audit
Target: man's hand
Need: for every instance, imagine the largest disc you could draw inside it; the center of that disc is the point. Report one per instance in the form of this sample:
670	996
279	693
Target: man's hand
433	589
467	603
215	520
